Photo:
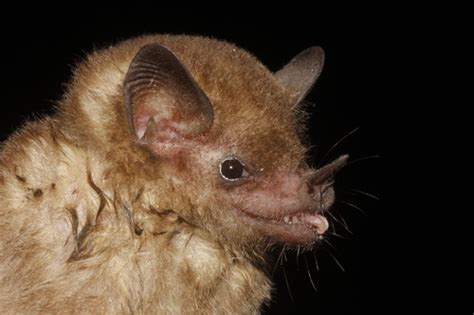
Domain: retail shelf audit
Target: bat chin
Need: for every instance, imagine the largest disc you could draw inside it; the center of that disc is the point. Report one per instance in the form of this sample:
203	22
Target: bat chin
300	228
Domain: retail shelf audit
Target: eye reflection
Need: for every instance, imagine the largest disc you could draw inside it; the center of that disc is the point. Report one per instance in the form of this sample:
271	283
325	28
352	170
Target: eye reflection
232	169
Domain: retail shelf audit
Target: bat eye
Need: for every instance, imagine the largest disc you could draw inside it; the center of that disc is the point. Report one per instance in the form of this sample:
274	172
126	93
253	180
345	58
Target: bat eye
232	169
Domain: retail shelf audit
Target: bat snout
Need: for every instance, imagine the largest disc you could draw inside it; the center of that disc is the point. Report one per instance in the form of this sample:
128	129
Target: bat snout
321	181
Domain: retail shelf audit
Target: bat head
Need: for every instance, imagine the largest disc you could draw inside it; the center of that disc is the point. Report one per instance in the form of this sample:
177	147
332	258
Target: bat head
222	136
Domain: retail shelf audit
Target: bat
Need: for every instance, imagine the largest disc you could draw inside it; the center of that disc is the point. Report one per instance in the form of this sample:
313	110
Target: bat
170	168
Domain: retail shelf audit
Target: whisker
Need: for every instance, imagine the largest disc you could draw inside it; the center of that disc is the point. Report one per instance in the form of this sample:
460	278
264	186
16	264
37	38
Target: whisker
365	193
323	159
346	225
329	243
337	235
288	285
316	261
343	223
309	274
332	228
335	260
284	254
278	260
298	258
362	159
353	206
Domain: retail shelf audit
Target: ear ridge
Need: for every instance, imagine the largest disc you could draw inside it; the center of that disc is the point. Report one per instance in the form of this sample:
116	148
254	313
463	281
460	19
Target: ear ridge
302	72
162	98
151	132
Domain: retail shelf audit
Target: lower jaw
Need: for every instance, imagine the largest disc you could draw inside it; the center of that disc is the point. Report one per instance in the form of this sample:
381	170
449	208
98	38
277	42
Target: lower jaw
279	231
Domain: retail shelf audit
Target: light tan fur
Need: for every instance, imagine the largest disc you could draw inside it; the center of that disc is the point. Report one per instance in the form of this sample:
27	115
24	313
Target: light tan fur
92	223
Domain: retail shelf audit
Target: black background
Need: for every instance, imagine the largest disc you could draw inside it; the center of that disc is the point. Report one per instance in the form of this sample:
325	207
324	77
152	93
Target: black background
37	58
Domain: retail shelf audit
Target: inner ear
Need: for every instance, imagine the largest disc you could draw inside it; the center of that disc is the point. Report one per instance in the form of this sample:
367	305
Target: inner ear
163	103
300	74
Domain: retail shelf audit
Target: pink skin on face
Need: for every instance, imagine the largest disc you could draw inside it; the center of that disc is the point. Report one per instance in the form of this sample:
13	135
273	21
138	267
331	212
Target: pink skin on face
288	207
283	208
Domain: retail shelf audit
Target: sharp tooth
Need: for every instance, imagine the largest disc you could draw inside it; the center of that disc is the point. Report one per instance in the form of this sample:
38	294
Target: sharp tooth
286	219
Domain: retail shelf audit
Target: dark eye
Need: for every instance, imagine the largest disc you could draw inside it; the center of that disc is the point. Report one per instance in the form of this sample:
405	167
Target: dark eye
232	169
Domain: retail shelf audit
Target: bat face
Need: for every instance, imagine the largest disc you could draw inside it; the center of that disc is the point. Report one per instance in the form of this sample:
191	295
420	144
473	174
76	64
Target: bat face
227	141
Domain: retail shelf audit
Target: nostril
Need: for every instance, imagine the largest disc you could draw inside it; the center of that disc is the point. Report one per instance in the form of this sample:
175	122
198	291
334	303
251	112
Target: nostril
327	187
321	191
316	192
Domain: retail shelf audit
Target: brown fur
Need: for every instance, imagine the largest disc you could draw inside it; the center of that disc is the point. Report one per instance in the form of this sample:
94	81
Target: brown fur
91	222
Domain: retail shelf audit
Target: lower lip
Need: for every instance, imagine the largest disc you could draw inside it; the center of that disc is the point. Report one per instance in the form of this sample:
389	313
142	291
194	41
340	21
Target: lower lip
296	233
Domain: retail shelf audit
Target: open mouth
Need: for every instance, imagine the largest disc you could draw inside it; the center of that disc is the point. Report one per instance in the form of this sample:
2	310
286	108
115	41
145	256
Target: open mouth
303	227
281	221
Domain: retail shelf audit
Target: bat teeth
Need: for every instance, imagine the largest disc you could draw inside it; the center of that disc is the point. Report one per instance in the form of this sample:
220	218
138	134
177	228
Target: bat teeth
295	219
287	219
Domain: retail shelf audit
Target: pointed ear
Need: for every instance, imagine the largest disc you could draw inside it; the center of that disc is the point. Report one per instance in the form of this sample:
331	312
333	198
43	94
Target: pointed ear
302	71
165	106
